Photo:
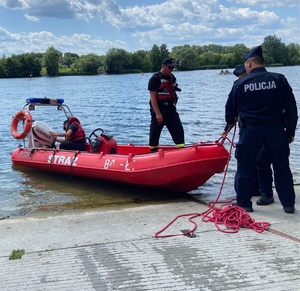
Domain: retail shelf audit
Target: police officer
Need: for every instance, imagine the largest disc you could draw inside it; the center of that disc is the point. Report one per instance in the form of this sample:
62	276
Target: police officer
264	102
240	72
264	176
163	98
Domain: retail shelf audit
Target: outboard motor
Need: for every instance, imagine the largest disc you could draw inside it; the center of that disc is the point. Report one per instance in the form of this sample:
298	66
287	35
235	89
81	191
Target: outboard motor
39	135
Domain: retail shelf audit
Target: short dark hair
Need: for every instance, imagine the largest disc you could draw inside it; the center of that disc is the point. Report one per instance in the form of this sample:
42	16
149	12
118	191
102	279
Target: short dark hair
258	60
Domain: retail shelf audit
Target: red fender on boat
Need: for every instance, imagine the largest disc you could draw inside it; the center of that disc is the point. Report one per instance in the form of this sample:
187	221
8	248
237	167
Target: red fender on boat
21	115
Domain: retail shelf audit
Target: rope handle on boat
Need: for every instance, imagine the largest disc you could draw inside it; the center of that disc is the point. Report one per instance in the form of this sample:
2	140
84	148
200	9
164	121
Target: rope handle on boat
52	159
232	217
71	166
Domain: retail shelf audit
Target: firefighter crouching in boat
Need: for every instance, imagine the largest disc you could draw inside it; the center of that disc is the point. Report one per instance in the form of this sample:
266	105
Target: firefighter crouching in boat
74	135
163	98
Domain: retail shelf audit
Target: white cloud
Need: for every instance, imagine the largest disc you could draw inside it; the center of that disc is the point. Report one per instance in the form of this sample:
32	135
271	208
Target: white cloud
173	22
31	18
41	41
5	35
268	3
171	12
14	4
211	24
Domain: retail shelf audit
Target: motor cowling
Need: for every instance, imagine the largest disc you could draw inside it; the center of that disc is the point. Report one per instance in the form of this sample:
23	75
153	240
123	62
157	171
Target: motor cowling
39	135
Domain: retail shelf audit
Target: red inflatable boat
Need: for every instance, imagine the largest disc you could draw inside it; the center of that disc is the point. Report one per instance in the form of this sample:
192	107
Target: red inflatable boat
169	168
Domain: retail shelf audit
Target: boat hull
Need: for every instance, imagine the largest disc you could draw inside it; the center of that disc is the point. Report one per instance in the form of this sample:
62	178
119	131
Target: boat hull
180	170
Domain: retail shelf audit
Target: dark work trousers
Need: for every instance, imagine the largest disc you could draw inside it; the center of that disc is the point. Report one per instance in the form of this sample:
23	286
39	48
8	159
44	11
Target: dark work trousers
251	140
264	173
74	145
171	121
256	191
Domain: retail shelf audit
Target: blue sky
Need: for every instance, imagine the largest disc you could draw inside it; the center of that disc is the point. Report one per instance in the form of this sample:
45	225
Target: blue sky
94	26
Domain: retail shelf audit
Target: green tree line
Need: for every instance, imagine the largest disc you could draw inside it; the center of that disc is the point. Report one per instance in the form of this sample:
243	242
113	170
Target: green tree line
119	61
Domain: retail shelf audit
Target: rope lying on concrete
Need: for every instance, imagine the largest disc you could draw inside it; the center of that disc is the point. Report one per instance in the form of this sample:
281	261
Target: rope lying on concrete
232	217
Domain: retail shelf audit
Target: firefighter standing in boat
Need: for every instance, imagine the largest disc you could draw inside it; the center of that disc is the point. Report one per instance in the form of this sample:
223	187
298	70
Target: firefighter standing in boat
163	98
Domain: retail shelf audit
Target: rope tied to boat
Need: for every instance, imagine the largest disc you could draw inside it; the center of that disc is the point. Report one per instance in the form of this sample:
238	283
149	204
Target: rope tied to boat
232	217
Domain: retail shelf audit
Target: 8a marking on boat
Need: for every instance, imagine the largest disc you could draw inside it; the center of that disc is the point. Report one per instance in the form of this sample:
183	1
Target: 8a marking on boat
108	163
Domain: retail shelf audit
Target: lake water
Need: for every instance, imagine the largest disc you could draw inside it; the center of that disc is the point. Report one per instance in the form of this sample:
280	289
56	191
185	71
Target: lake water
119	105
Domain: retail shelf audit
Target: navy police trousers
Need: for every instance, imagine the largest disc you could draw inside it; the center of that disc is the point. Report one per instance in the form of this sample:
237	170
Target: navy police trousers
274	140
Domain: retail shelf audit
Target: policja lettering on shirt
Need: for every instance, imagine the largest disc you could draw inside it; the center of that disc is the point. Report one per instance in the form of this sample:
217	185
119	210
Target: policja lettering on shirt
260	86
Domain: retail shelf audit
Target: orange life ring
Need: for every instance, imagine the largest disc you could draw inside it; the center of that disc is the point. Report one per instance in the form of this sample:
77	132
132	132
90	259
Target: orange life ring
24	116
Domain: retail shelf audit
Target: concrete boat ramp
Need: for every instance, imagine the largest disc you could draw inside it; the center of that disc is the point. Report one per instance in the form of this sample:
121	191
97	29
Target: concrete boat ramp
115	249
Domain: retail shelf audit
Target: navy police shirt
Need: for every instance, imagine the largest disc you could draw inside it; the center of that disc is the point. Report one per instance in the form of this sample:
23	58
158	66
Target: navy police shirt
261	98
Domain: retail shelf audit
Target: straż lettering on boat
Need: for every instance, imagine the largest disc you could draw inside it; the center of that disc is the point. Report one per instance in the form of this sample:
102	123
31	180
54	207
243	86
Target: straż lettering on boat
62	160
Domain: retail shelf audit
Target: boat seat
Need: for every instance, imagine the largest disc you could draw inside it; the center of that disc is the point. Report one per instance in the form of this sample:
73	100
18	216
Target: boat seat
87	147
